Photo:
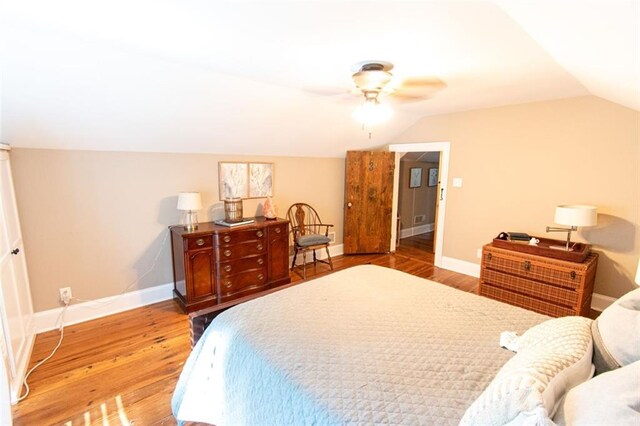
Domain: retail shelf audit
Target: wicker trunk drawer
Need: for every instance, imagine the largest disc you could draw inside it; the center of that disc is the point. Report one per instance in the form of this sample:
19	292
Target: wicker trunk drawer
526	302
551	286
538	290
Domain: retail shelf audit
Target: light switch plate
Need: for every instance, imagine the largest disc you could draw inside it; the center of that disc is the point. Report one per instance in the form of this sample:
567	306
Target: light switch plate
457	182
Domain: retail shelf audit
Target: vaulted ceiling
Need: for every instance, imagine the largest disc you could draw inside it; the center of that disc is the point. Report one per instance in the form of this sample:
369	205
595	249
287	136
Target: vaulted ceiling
252	77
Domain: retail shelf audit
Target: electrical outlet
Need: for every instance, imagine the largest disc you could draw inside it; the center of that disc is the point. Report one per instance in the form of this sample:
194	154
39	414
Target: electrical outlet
332	237
479	253
65	295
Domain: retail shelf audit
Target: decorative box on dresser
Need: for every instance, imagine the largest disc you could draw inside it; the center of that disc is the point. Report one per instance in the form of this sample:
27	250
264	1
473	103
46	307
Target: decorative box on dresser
215	264
543	284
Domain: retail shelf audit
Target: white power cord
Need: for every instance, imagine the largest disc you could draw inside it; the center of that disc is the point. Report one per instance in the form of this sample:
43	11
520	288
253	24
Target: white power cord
60	322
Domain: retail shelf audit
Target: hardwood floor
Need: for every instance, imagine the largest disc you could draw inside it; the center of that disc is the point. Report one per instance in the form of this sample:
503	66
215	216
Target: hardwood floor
418	246
122	369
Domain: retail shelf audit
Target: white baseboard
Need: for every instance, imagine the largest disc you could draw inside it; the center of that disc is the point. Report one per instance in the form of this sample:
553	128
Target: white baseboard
335	250
599	301
461	266
85	311
417	230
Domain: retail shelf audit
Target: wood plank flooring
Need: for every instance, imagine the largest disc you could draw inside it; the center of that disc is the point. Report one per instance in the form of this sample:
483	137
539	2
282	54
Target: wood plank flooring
122	369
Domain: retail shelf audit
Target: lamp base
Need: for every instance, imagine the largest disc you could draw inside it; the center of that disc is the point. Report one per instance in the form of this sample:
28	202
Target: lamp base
191	221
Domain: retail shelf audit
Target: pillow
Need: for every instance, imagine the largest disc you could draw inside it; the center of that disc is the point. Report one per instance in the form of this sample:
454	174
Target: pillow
618	332
610	398
552	357
602	359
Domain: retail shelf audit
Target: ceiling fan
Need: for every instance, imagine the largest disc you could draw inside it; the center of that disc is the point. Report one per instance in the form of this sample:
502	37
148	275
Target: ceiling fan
373	78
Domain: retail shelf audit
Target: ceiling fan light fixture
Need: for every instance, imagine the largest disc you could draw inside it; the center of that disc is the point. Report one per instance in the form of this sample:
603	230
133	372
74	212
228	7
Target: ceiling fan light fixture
372	112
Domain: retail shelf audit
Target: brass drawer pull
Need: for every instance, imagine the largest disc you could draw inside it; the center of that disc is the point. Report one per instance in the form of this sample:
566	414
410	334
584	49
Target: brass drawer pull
489	256
227	253
226	238
227	268
278	230
260	261
527	265
573	275
259	247
228	284
259	234
260	277
200	242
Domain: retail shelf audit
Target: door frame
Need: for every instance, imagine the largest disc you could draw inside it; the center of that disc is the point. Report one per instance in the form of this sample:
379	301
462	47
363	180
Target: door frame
444	148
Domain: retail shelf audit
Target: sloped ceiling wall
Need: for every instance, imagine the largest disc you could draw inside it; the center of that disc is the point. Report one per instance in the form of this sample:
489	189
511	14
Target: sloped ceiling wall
244	77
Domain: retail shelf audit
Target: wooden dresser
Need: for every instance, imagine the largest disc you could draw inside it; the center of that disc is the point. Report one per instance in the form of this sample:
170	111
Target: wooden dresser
216	264
549	286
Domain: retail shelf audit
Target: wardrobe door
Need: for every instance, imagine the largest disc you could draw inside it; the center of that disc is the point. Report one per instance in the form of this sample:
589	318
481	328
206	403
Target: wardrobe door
16	310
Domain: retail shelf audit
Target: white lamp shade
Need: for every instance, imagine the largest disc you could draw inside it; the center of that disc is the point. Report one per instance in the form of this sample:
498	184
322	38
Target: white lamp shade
576	215
189	201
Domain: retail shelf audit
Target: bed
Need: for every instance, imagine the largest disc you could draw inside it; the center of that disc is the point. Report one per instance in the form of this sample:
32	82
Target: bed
363	345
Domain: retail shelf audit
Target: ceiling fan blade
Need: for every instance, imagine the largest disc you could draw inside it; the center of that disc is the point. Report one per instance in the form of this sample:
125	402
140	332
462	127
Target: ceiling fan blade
330	91
418	89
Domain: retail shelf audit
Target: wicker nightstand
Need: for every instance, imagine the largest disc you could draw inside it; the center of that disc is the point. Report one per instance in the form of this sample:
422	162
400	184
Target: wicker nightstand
542	284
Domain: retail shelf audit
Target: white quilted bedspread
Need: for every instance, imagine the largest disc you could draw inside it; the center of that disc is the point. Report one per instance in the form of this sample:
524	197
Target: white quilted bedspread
363	345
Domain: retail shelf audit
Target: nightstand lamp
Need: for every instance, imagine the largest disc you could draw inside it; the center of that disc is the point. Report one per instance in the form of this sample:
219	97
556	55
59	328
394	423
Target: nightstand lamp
573	215
191	203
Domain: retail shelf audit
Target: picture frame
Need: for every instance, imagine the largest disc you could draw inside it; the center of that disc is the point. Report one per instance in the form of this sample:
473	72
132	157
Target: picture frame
433	177
260	180
415	177
245	180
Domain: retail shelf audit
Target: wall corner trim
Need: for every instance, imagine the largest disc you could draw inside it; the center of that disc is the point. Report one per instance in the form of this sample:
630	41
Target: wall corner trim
86	311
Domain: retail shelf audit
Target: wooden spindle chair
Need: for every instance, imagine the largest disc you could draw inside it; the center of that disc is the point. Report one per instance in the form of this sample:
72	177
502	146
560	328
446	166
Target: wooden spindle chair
309	233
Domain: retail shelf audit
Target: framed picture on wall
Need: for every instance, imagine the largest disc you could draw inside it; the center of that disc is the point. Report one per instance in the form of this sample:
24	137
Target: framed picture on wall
415	177
233	180
433	176
245	180
260	180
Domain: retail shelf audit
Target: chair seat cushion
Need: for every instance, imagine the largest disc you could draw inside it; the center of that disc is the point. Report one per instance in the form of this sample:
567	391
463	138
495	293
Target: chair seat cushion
312	240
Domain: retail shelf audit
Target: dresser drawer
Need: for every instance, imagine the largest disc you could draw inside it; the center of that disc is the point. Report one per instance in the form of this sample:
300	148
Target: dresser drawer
240	250
280	230
534	289
525	302
243	282
196	243
232	267
532	268
240	236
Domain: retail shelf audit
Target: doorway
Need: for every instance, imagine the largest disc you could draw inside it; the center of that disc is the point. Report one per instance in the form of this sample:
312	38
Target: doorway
417	204
443	150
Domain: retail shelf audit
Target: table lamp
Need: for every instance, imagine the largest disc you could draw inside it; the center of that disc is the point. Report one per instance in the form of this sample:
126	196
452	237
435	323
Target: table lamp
191	203
573	215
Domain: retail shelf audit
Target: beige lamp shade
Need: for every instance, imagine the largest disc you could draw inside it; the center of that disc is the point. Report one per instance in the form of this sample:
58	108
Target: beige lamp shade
576	215
189	201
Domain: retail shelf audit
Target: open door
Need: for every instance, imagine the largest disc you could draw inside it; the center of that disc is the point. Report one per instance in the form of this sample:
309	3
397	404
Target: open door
368	202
